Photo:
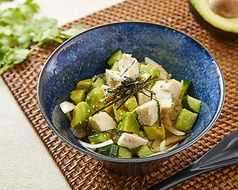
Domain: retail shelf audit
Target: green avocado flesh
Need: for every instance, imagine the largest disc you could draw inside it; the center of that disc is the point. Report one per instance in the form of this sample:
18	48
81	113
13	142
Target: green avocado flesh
223	23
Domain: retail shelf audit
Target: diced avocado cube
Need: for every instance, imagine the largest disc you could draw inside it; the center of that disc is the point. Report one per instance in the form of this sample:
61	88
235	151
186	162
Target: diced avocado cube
84	84
77	96
191	104
155	131
144	151
185	120
93	99
129	123
118	113
109	150
124	153
98	83
109	110
80	114
131	104
115	57
99	137
184	87
115	66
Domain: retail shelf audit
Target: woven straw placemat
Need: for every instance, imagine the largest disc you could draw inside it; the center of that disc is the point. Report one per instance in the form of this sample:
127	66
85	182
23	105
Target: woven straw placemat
82	171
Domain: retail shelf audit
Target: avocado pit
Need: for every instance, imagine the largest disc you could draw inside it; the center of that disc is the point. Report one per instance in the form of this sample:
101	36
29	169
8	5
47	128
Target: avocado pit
225	8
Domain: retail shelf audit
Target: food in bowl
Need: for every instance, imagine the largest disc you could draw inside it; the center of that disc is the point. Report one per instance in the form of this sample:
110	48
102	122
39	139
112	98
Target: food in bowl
132	110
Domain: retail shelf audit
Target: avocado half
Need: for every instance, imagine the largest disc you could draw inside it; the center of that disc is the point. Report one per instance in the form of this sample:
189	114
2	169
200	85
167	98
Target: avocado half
223	23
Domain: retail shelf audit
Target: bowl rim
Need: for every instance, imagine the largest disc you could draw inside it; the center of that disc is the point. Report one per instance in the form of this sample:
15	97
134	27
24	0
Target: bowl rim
150	158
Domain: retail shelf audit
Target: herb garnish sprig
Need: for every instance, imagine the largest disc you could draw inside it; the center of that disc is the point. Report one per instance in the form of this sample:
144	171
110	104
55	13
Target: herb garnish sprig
18	31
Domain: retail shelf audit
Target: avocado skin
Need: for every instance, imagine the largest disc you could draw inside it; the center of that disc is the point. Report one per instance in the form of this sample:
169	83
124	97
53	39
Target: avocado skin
223	23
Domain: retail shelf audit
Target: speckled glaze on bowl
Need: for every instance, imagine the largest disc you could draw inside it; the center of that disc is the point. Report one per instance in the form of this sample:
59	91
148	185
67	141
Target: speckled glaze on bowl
86	54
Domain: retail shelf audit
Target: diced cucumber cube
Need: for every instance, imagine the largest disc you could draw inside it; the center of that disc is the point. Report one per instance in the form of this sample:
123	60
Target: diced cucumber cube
191	104
185	120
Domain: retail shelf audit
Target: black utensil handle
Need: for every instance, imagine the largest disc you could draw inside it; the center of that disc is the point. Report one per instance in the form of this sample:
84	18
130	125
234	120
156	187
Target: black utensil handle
177	178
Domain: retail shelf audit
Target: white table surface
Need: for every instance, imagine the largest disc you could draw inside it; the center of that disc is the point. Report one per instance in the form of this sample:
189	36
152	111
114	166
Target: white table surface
25	163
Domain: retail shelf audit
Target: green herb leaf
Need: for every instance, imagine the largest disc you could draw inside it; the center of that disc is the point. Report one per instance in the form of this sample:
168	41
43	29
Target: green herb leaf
3	50
18	30
49	35
76	29
12	57
28	9
15	55
12	16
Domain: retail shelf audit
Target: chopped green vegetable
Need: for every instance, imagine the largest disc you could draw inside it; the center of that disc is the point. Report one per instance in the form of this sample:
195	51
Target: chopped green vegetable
184	88
119	113
144	151
185	120
77	96
80	115
115	66
129	123
155	131
191	104
109	150
93	99
148	71
131	104
18	30
115	57
84	84
124	153
98	83
99	137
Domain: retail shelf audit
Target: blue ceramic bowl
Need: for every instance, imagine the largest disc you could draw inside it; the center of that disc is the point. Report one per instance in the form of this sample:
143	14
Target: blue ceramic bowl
86	54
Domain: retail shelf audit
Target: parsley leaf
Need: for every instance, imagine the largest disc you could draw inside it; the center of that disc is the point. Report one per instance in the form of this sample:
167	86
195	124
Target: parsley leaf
18	30
72	31
12	57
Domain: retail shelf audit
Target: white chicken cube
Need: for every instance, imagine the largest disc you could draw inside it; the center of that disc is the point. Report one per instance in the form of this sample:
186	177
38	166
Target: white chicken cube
130	64
142	98
131	140
148	113
171	86
165	100
113	78
102	122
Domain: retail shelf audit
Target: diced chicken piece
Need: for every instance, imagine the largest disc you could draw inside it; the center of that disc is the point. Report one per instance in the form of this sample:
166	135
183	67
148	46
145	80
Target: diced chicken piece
102	122
148	113
131	140
142	98
113	78
172	86
165	100
130	64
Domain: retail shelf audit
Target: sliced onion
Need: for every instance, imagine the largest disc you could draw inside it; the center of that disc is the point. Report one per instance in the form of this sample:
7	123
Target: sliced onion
162	146
173	139
88	145
67	106
69	116
174	130
167	149
151	62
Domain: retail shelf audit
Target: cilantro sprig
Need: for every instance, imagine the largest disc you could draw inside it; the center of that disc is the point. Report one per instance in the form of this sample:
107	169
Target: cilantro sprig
18	31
